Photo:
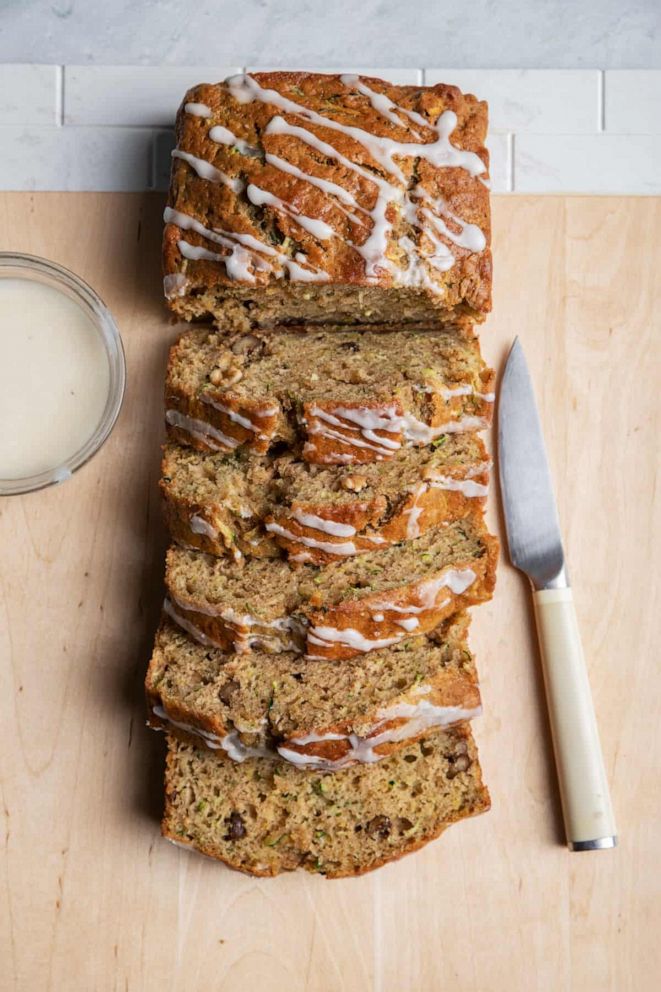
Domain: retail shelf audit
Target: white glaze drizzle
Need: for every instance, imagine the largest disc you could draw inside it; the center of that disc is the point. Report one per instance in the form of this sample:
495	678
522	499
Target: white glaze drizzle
417	432
330	547
185	624
469	236
325	185
199	525
417	718
180	843
467	487
244	250
197	109
441	153
363	422
201	430
351	440
223	136
414	512
238	751
236	263
174	284
333	527
238	418
206	170
317	228
383	104
196	252
373	249
230	742
326	637
457	580
243	625
210	739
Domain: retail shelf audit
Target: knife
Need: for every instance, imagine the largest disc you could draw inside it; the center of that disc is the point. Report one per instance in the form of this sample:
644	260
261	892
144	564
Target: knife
535	547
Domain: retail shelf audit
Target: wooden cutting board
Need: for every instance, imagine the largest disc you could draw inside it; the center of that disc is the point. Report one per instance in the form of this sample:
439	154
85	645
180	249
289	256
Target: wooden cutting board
92	898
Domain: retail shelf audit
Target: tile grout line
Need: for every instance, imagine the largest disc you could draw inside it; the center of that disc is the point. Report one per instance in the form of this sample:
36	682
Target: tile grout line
601	101
59	95
510	162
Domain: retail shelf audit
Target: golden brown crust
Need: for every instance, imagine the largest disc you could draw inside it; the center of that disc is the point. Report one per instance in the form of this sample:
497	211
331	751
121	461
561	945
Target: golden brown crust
325	446
305	528
411	602
333	430
227	202
220	539
432	506
352	626
329	739
220	416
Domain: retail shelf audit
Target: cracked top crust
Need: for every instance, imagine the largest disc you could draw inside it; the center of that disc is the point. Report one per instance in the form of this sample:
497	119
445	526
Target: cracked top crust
322	182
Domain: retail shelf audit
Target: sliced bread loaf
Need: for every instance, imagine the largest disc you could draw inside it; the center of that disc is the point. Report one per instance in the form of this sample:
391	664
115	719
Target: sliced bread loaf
218	503
350	397
237	504
264	816
313	713
346	608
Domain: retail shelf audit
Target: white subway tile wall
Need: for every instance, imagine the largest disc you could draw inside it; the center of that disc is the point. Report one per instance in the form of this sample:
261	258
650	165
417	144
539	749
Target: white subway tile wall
76	158
597	163
543	101
633	101
109	128
142	96
29	94
500	162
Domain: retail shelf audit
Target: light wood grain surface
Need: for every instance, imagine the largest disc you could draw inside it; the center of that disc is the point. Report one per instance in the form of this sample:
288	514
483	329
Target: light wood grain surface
92	899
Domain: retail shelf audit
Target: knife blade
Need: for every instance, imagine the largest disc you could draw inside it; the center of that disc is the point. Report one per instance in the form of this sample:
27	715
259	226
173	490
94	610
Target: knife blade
533	528
535	547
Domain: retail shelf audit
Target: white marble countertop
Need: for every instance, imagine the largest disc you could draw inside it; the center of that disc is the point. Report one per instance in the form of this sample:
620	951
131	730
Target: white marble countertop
565	34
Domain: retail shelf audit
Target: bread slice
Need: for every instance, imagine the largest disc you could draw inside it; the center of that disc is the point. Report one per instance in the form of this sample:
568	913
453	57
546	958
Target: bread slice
346	608
327	198
264	816
315	714
249	505
351	396
218	503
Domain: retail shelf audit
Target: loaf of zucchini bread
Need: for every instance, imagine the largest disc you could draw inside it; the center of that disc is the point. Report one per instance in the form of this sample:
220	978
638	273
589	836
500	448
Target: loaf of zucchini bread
241	504
264	816
353	396
316	714
334	199
346	608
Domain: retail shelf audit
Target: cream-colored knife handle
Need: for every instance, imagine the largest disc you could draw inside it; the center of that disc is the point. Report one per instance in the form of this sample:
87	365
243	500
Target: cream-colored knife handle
586	805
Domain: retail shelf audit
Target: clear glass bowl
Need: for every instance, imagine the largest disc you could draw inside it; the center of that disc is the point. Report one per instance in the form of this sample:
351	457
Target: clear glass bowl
18	266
